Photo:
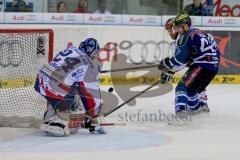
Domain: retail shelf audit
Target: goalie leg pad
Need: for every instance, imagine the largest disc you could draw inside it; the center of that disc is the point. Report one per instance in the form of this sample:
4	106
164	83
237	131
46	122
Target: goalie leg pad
57	117
56	127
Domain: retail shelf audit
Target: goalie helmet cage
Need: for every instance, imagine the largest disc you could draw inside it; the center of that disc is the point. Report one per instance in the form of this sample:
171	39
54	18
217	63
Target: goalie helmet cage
22	54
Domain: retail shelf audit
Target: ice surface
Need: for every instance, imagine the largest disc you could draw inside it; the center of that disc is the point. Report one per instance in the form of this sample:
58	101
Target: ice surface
213	136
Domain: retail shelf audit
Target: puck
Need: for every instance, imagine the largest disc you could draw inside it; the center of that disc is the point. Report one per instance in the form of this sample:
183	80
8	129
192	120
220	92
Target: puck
110	90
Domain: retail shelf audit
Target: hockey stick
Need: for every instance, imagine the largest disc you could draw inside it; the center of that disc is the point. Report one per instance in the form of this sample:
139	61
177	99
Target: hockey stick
126	69
109	124
132	98
121	105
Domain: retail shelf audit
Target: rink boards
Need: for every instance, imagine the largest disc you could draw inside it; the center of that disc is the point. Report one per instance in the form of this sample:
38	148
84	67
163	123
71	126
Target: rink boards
108	80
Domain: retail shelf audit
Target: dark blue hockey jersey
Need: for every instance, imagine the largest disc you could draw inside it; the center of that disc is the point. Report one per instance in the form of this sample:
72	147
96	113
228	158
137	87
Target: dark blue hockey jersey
198	48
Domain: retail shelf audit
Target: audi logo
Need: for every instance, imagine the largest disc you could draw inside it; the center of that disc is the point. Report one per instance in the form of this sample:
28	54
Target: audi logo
109	19
151	20
149	51
71	18
31	17
11	53
230	21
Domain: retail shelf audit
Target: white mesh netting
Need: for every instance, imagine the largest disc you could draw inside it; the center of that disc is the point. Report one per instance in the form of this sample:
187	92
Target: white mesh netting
21	56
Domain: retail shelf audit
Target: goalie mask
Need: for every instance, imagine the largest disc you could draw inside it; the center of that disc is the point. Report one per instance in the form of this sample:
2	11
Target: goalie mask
90	46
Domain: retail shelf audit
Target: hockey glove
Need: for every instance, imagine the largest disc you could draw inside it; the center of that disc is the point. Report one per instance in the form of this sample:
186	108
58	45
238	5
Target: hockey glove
165	65
166	76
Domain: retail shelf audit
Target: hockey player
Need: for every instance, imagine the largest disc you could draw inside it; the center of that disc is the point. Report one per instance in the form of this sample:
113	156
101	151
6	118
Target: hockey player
72	73
202	97
198	51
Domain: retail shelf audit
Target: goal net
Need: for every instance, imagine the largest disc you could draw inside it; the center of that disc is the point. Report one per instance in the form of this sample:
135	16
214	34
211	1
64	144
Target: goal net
22	53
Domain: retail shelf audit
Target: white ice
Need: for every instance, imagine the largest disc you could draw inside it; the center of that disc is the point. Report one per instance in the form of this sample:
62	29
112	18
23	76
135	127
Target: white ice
210	137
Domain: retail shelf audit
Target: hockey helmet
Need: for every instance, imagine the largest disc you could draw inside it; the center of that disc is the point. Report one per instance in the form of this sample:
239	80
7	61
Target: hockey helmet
90	46
182	19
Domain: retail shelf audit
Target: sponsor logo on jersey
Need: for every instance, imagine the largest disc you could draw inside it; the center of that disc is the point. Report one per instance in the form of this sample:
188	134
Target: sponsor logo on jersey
77	73
181	40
